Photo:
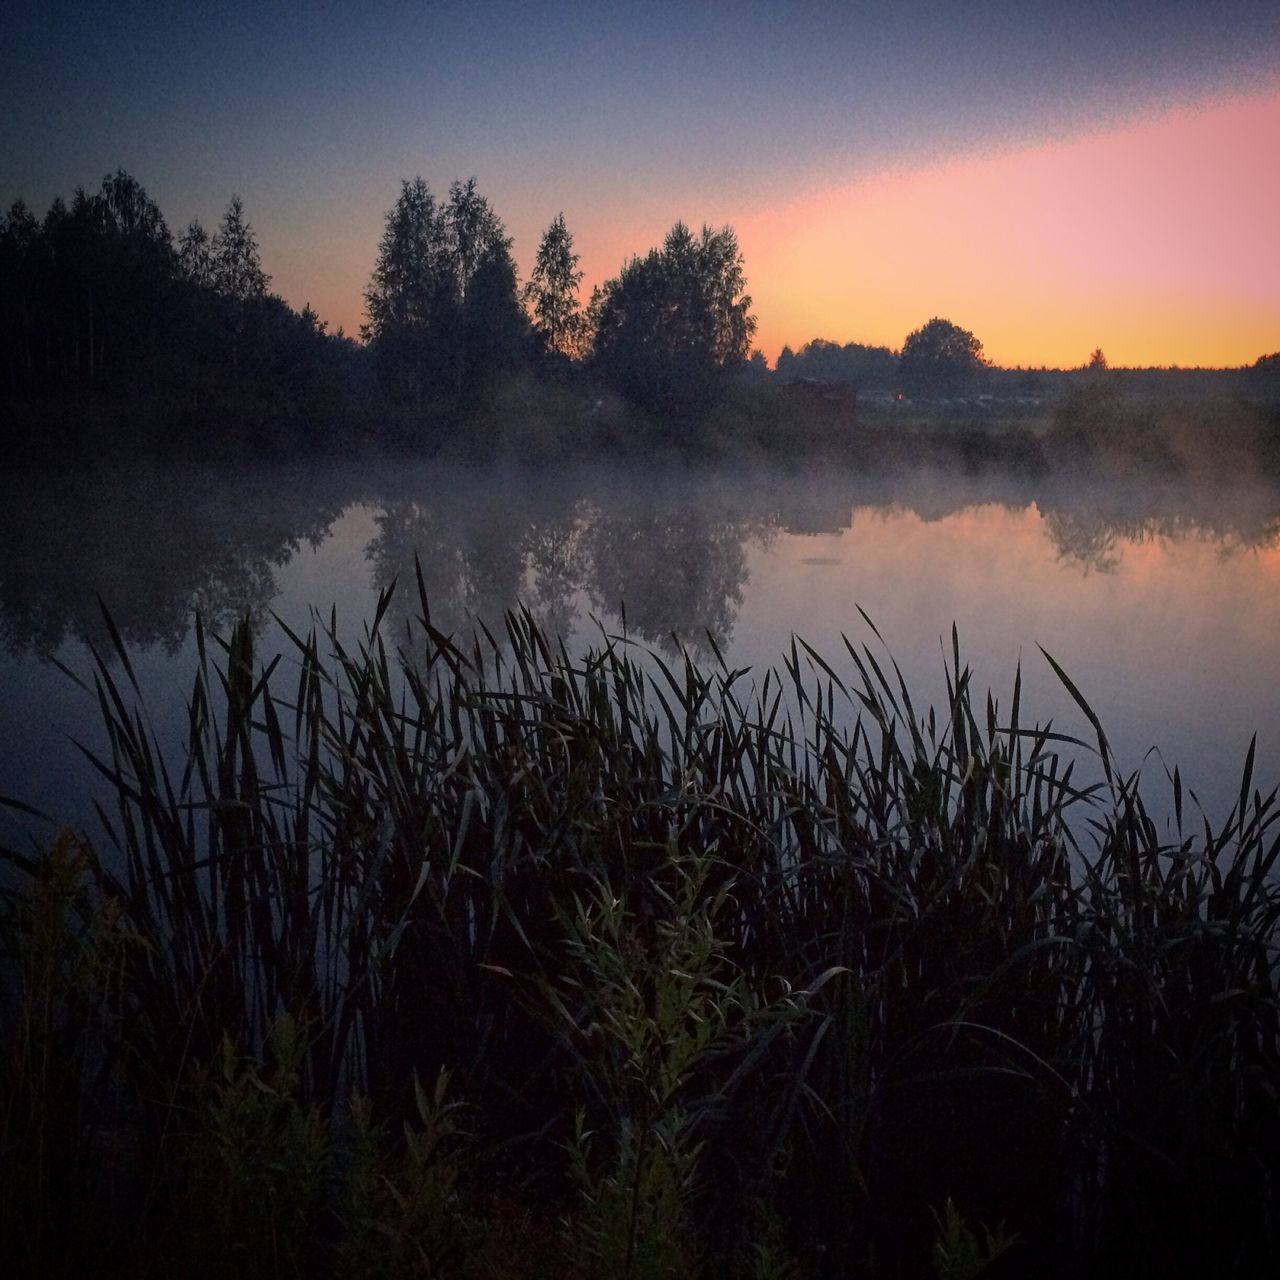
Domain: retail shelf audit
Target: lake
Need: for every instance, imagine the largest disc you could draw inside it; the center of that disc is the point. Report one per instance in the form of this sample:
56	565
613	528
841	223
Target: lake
1158	596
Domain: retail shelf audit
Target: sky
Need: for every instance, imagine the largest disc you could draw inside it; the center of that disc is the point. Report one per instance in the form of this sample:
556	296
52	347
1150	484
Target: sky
1054	177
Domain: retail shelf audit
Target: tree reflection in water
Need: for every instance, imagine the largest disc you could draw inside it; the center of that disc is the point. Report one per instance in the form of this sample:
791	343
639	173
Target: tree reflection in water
668	547
156	545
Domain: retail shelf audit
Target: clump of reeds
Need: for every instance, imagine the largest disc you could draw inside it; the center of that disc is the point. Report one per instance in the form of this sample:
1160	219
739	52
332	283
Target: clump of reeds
726	975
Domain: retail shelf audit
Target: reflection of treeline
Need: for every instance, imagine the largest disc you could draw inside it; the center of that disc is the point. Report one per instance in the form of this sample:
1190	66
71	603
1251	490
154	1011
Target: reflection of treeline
669	552
154	545
668	549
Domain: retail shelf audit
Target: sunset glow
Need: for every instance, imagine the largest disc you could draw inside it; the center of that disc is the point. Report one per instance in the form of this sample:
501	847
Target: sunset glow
1155	241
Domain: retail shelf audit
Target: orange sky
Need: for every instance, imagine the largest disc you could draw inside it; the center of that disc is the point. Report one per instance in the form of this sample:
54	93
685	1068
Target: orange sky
1156	240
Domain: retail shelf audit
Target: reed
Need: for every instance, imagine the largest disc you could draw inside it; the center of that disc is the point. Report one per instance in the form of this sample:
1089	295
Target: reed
727	974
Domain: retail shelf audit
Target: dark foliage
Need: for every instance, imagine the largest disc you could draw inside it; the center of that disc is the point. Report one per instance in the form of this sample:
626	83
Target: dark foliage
445	321
675	320
940	358
864	366
97	304
787	966
552	293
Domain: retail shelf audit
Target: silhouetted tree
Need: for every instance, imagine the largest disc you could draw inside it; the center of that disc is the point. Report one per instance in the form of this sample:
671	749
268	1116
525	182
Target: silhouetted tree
195	256
674	319
591	318
488	337
494	328
98	296
552	291
237	268
474	232
443	306
1263	376
940	357
133	216
20	248
118	252
410	297
76	250
1097	359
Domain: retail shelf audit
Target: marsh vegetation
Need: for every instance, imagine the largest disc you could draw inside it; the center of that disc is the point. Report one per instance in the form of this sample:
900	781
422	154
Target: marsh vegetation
521	963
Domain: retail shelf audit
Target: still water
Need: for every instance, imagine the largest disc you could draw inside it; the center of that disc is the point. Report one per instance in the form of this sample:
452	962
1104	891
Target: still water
1159	597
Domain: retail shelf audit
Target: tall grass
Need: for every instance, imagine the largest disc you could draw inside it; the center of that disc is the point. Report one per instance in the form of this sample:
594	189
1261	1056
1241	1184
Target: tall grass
722	973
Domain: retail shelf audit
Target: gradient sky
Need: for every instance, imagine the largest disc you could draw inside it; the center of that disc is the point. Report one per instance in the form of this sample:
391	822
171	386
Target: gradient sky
1054	177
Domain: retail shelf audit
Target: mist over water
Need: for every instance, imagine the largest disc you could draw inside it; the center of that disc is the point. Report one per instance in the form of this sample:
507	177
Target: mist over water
1159	597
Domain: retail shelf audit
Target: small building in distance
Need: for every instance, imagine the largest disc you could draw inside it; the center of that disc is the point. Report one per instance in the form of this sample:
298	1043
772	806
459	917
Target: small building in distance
831	396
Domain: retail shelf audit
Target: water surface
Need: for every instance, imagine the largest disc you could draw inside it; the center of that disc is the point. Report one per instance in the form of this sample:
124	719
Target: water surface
1159	596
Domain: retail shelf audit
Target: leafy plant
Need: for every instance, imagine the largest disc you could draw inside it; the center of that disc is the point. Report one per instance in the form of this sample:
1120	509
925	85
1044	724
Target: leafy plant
958	1254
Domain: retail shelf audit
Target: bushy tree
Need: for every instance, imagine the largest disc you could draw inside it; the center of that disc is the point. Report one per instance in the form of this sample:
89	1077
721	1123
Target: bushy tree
104	270
489	338
940	357
552	292
1097	359
494	326
673	320
854	362
131	215
1264	375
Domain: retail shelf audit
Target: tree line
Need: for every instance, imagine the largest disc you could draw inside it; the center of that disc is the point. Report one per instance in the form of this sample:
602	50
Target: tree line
100	304
446	315
99	300
939	358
